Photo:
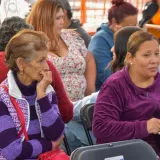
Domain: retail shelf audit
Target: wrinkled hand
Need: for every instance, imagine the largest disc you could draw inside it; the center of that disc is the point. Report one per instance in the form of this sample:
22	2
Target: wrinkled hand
153	126
43	84
57	144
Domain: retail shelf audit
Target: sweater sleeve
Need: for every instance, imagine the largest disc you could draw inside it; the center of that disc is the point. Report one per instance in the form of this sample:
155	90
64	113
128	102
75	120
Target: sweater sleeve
11	145
52	123
64	104
107	123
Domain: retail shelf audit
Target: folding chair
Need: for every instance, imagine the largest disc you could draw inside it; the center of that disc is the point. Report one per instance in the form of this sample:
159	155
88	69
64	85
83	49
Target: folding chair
124	150
66	145
86	114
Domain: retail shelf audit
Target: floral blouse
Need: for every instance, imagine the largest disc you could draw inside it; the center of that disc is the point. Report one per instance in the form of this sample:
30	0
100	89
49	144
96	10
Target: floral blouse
72	66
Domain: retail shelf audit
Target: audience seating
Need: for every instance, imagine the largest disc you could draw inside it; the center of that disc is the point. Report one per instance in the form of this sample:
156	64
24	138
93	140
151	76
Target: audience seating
124	150
86	114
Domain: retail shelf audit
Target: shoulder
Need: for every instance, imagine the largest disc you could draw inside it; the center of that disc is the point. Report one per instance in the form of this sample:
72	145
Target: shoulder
3	92
4	83
72	35
69	32
102	36
1	58
157	79
1	54
116	80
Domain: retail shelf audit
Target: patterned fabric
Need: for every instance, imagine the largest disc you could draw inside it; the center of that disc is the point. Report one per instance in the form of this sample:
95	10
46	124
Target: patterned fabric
72	67
36	112
6	100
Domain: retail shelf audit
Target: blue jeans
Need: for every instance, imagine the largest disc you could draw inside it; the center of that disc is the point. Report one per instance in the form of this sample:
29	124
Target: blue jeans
75	133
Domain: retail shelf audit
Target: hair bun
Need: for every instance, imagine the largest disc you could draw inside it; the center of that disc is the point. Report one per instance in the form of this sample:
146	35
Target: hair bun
117	2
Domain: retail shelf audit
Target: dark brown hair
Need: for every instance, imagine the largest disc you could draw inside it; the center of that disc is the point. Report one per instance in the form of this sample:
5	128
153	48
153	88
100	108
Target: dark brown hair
9	27
120	46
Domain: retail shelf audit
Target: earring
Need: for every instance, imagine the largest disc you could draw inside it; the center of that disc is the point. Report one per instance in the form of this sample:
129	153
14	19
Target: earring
21	72
131	63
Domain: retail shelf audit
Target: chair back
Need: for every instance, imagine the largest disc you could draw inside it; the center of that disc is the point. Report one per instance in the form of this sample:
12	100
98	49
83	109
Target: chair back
86	114
124	150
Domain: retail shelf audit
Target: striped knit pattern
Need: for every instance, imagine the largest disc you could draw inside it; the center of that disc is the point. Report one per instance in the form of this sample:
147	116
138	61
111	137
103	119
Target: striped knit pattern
52	125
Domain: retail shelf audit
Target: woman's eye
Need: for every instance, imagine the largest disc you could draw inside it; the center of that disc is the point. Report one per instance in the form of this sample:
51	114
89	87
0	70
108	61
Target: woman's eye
58	18
146	55
157	53
41	60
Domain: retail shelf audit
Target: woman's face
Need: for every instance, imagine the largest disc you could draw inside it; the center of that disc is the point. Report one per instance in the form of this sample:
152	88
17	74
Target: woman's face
129	21
146	61
59	21
33	69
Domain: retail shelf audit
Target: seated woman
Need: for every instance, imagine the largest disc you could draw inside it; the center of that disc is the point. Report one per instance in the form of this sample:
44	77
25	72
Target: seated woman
119	50
8	29
28	83
67	50
121	14
128	104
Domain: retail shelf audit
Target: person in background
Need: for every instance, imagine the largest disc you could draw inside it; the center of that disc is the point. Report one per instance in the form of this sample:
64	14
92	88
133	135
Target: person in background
67	50
128	104
70	23
155	20
8	29
28	83
121	14
119	49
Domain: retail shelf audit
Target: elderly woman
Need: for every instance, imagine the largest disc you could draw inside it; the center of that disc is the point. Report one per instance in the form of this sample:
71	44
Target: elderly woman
128	104
27	93
8	29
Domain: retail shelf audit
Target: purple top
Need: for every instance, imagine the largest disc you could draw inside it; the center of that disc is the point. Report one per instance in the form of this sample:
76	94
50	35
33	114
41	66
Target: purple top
52	126
122	110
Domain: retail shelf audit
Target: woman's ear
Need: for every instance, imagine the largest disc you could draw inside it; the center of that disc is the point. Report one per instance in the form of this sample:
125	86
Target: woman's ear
20	64
128	59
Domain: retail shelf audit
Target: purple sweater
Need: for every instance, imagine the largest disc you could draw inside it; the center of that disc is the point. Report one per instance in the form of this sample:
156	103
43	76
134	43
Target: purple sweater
52	126
122	110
